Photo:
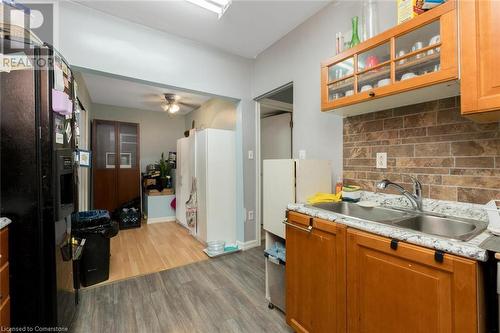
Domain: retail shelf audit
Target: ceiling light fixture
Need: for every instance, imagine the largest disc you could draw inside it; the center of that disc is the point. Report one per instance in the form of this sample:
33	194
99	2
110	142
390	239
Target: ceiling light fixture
174	108
170	107
217	6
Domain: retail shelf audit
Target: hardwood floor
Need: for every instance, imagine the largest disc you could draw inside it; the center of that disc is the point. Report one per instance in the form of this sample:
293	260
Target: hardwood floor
152	248
225	294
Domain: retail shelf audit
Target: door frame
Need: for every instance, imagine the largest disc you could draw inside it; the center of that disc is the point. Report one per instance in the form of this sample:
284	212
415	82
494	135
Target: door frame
258	168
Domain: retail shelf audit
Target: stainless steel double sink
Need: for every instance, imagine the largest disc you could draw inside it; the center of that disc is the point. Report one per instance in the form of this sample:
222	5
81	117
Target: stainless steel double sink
425	222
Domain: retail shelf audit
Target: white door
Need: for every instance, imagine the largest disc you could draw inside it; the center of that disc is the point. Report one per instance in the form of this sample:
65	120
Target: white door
276	137
278	191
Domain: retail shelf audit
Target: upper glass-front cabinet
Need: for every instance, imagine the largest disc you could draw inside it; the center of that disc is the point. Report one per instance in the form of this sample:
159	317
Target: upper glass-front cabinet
418	52
412	55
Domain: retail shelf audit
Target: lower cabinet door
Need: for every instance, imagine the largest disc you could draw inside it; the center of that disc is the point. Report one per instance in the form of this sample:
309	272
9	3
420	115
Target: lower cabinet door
406	289
315	275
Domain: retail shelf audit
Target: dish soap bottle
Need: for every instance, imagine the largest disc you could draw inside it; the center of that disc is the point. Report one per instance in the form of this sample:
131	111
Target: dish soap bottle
355	37
338	186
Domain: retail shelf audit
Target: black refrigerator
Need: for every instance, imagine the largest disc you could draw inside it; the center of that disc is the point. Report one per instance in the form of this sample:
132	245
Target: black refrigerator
38	191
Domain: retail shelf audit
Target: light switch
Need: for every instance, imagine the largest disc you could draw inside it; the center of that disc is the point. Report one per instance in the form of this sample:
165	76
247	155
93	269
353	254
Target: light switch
250	215
250	154
381	160
302	154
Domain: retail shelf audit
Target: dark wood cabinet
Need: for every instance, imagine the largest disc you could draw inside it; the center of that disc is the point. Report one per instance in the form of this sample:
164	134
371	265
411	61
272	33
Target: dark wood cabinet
315	274
116	163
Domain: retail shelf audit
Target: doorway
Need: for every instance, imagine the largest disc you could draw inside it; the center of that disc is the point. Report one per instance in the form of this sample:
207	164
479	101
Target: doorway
274	136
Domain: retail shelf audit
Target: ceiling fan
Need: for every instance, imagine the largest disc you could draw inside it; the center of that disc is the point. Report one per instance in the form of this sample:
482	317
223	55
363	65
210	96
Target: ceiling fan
173	104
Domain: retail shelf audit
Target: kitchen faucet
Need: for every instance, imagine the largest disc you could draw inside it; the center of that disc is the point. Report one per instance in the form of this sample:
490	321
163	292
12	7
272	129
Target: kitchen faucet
415	198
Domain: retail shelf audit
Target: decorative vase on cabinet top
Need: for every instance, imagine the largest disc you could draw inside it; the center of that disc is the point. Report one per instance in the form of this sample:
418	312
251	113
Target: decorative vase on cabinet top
355	37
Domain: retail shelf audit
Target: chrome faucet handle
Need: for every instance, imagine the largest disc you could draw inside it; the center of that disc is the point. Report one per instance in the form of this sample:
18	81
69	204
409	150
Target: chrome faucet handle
417	185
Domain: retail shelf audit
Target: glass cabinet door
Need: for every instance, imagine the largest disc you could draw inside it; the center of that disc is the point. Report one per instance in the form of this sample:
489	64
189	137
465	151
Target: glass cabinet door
418	52
374	68
341	89
341	79
340	70
128	146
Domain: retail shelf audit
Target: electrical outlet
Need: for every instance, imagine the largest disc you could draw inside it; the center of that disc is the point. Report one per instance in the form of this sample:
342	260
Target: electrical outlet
381	160
302	154
250	154
250	215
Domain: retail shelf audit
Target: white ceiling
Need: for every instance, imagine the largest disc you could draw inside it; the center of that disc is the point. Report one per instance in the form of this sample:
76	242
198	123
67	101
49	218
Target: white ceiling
247	28
130	94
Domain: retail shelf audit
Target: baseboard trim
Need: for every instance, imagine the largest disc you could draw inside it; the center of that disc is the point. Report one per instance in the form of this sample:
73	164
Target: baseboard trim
151	220
248	245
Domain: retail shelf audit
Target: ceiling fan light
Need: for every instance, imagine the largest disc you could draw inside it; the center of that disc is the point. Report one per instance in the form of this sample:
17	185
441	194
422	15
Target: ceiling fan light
165	107
174	108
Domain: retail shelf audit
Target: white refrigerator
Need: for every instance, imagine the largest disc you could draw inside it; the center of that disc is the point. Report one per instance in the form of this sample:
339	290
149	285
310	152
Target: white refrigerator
184	175
210	156
291	181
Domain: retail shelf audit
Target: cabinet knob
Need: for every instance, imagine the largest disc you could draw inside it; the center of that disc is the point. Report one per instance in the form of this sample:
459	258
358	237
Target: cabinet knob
371	94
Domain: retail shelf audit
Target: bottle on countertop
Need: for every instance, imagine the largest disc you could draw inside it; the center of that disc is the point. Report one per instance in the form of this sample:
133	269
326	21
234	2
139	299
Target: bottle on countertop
338	186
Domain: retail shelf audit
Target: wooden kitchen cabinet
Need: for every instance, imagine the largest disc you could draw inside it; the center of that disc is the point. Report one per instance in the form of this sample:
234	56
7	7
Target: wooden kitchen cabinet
115	164
406	289
315	274
480	56
413	62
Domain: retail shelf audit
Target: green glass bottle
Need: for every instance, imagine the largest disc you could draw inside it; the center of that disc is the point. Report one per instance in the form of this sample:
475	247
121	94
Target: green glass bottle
355	37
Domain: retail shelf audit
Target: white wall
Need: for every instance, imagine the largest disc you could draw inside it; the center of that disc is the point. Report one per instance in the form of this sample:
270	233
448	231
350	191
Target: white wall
93	40
297	57
158	131
215	113
276	137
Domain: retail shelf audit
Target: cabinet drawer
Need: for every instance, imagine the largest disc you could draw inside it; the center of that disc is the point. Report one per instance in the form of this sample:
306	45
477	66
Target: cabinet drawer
298	218
4	283
4	246
415	253
5	313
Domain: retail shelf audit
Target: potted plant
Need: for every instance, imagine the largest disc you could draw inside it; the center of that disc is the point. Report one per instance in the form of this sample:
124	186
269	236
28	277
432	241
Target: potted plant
165	169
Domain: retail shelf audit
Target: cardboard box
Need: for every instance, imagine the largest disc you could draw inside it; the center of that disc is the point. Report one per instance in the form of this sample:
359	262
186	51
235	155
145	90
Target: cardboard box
166	191
408	9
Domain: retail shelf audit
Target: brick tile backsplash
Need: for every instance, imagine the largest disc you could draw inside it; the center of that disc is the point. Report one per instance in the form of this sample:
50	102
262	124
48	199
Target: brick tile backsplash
454	158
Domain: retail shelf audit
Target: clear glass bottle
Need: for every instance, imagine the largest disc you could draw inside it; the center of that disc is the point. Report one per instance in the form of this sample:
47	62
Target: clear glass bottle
355	37
369	19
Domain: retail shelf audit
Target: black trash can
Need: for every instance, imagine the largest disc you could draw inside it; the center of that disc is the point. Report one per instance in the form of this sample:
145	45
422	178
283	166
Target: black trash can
97	228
